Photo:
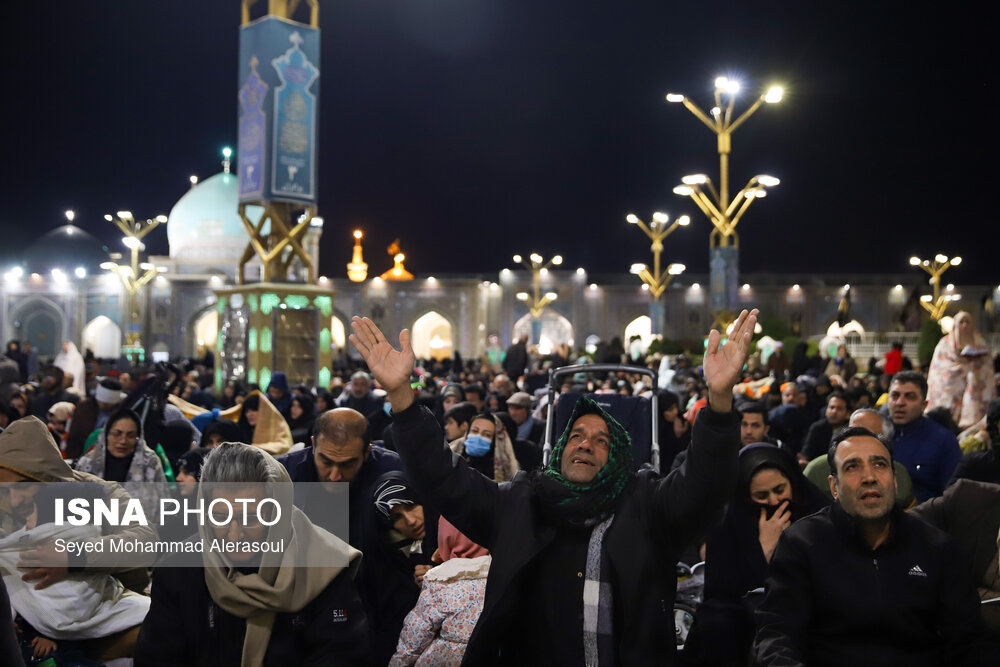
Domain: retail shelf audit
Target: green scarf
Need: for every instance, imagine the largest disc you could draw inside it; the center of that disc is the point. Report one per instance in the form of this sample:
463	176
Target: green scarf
587	504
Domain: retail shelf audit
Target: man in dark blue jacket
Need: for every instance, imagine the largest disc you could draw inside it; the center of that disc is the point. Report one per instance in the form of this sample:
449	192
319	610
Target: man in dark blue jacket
928	450
584	551
340	452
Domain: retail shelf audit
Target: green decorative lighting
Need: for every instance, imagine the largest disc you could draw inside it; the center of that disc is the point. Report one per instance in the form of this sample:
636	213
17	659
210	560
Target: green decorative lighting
252	376
324	340
252	299
324	377
220	307
265	340
252	342
265	377
325	305
297	301
218	377
218	340
268	302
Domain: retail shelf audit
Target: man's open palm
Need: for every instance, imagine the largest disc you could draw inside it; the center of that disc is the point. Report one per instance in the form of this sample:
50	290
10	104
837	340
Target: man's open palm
723	365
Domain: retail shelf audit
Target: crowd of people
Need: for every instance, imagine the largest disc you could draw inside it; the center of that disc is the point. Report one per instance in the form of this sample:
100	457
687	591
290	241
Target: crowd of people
842	510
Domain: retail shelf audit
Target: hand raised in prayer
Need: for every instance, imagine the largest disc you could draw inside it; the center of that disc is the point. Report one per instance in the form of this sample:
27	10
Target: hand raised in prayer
724	363
391	367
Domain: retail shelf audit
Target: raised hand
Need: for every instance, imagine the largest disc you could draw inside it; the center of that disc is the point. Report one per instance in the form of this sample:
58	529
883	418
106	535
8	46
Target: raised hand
391	367
722	365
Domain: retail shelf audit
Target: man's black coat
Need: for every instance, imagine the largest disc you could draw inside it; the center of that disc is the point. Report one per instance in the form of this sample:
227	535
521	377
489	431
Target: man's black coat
655	518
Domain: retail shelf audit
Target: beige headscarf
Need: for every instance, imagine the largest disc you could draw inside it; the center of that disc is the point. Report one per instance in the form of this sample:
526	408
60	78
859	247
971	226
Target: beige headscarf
505	464
278	586
27	448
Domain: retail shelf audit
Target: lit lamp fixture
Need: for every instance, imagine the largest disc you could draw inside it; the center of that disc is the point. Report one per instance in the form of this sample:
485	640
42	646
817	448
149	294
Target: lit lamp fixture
937	303
724	211
538	267
657	230
357	270
134	275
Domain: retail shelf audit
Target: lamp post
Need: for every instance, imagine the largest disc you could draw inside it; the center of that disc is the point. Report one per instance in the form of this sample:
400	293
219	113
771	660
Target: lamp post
937	303
134	275
537	303
657	281
724	212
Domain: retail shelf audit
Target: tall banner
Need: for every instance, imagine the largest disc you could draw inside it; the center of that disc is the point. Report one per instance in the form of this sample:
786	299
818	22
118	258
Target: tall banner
278	111
724	266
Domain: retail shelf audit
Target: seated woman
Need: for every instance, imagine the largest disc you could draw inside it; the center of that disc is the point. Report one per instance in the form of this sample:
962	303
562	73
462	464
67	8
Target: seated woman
488	448
250	608
121	455
771	494
438	629
404	525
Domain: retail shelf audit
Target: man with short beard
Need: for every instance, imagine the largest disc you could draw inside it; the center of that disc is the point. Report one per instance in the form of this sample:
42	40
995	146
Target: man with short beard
861	582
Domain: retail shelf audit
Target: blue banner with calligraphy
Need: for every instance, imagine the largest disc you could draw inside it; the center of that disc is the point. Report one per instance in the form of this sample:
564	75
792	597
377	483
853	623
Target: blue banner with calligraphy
278	111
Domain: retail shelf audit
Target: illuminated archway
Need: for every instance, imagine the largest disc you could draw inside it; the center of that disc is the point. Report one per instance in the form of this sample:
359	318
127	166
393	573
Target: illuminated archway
206	331
338	332
103	337
556	330
642	327
432	337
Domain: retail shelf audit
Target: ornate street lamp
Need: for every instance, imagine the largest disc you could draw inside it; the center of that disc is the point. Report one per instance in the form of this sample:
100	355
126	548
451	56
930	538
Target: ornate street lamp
937	303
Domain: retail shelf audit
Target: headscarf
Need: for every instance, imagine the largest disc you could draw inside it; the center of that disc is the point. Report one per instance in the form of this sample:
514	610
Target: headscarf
587	504
454	544
192	461
758	456
392	489
70	361
963	384
505	464
278	586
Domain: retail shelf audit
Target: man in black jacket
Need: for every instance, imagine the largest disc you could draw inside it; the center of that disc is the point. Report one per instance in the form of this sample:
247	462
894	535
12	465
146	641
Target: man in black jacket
584	551
862	581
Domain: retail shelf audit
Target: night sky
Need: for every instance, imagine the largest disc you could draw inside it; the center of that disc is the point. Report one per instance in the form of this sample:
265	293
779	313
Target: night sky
476	129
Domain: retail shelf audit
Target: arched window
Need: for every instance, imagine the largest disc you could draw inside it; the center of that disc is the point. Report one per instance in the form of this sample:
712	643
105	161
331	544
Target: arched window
556	330
432	337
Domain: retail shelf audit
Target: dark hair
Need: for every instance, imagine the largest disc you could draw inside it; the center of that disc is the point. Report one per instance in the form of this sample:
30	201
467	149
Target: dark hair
666	399
942	415
837	393
462	412
476	389
992	420
912	377
509	424
755	409
853	432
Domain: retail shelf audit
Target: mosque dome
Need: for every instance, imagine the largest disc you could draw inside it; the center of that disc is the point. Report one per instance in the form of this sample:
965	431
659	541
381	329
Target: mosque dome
66	248
204	225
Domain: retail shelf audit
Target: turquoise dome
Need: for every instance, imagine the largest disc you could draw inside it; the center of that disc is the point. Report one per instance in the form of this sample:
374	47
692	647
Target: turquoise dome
204	224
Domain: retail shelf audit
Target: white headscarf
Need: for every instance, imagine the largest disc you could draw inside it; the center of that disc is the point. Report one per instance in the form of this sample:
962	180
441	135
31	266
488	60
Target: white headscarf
70	361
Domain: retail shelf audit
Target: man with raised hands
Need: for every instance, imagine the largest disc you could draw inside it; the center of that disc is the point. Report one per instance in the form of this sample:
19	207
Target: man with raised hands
583	550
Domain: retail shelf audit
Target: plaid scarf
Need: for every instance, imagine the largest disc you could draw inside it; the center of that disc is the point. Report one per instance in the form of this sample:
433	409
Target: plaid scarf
598	602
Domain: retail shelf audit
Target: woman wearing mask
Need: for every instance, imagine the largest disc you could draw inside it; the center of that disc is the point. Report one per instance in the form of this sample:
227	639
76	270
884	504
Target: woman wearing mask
487	448
771	494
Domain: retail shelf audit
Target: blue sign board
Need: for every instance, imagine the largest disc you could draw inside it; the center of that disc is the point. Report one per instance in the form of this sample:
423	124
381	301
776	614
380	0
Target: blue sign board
724	265
278	111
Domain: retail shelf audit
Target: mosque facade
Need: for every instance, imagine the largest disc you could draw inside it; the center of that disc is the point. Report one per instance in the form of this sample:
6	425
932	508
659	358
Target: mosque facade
56	291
